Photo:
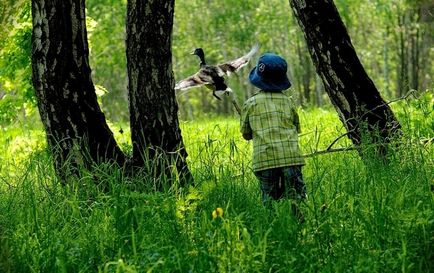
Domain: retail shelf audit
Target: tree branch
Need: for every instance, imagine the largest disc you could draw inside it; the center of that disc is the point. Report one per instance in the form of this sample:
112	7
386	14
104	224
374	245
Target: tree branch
422	141
411	92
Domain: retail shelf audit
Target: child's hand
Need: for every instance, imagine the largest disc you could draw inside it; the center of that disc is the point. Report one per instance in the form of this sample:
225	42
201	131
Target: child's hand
247	136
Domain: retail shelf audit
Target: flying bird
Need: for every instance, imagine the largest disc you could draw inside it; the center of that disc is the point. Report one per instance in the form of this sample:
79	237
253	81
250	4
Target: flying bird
212	76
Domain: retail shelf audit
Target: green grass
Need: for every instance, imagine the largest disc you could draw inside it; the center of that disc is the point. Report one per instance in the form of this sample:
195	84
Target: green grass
361	216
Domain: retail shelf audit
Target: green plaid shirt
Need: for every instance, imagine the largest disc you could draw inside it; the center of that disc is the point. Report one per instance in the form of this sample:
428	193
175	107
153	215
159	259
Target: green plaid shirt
270	119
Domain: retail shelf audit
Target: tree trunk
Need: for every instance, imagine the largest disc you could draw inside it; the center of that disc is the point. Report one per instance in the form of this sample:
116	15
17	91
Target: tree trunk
304	74
153	108
403	82
386	62
427	40
318	91
415	48
364	113
77	132
307	73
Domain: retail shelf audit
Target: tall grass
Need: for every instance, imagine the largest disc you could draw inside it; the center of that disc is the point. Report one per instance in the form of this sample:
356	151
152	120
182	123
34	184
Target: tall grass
361	216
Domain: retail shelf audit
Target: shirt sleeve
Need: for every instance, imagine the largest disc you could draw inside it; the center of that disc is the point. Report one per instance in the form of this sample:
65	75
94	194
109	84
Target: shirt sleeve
244	121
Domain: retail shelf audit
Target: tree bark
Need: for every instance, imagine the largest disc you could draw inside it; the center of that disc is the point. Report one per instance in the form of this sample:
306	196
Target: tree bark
366	116
76	129
153	108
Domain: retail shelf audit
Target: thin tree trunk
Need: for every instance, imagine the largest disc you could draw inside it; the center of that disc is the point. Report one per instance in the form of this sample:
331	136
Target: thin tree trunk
427	40
155	132
307	73
304	74
77	132
364	113
318	91
386	62
414	49
403	55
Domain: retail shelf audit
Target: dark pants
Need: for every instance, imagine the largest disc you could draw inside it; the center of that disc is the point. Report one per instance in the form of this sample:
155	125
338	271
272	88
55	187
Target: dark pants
284	182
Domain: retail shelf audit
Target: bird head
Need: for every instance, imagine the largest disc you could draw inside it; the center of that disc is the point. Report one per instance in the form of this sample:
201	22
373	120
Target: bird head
199	52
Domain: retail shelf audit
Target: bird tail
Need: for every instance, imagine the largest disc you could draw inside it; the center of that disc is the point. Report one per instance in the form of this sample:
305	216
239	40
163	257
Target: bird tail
237	64
252	51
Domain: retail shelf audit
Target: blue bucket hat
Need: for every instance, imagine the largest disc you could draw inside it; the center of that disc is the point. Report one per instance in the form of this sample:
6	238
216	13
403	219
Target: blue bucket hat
270	73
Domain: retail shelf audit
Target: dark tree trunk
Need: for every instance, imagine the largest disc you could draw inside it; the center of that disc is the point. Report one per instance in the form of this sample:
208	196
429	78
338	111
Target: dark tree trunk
77	132
353	94
153	108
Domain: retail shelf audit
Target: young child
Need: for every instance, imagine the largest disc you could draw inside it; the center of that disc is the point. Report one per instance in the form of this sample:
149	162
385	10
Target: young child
270	119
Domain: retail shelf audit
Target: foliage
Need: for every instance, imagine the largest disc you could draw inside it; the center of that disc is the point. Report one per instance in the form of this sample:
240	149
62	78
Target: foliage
360	216
418	115
107	54
16	91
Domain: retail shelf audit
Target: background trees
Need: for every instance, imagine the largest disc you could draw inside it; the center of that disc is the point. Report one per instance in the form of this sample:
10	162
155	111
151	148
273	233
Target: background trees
372	26
392	39
16	91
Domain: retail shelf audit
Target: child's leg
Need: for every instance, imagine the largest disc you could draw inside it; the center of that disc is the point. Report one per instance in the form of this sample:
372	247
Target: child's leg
295	189
294	184
271	184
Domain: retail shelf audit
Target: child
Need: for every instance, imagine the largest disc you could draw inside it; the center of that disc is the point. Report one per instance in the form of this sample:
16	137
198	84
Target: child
270	119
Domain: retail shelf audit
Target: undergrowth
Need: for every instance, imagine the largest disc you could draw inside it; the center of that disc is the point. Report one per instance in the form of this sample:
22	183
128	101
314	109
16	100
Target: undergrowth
361	216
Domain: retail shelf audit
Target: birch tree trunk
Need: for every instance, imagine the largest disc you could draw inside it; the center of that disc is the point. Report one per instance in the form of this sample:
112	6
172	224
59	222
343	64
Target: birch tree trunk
360	107
155	132
76	129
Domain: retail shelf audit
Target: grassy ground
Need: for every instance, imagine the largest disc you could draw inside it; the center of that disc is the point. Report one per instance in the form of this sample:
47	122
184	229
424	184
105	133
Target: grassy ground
361	216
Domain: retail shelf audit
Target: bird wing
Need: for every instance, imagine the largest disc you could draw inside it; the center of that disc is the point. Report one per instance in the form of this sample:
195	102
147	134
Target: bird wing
235	65
195	80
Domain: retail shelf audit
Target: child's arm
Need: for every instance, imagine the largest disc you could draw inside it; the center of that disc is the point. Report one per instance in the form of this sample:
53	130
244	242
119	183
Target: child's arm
245	128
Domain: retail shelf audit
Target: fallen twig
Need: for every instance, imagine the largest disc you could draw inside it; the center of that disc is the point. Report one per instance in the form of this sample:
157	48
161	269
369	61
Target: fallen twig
334	141
422	141
319	152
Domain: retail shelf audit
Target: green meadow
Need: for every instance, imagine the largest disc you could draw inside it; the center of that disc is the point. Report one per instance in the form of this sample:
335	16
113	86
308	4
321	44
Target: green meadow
361	215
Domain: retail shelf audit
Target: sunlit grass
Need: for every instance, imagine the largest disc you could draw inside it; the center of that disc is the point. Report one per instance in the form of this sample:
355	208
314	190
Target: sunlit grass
361	216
